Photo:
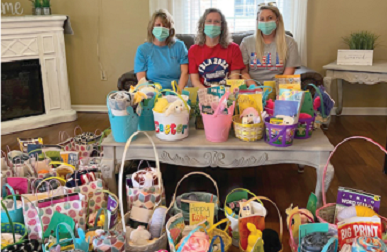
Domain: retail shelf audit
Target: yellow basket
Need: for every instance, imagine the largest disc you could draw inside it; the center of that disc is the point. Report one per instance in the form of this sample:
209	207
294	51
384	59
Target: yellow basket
248	132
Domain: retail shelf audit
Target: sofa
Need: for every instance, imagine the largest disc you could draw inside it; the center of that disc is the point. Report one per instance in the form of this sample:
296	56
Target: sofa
307	75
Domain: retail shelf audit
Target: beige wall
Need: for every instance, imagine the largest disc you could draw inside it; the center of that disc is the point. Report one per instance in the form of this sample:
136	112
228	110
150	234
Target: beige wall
123	28
328	22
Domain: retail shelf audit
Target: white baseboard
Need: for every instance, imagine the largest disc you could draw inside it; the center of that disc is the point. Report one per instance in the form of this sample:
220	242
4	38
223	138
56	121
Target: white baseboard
371	111
90	108
346	110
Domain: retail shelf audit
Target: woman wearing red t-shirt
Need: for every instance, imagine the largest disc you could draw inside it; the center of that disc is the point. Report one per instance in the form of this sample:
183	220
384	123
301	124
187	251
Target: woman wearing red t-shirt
213	58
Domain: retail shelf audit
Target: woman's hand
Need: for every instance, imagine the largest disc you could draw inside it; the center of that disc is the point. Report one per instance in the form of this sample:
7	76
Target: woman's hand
183	77
196	80
289	71
246	76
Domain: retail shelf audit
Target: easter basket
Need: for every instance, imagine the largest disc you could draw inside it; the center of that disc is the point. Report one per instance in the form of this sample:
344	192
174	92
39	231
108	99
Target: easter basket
174	126
181	203
248	132
326	213
155	244
293	243
217	126
243	231
12	227
214	232
144	109
123	126
279	135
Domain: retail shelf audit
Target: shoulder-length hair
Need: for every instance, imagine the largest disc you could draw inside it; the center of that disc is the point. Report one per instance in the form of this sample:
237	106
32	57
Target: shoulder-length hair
167	21
282	48
225	38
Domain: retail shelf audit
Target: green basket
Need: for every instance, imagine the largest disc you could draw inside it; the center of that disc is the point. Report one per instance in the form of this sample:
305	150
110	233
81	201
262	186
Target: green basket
183	207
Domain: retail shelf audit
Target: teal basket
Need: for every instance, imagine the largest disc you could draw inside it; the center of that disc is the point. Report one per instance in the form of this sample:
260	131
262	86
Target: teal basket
122	126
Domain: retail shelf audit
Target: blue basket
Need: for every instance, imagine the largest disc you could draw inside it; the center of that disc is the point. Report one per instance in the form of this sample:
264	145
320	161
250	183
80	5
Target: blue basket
122	126
146	120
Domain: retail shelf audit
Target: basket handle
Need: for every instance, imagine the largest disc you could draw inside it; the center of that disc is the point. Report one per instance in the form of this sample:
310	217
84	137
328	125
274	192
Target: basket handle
173	92
155	85
239	189
121	175
221	243
267	199
175	87
75	130
187	237
224	97
186	176
12	193
61	163
292	243
225	220
321	99
334	150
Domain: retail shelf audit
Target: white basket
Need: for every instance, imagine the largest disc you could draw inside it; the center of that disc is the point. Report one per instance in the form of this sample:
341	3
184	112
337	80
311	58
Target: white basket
157	244
175	126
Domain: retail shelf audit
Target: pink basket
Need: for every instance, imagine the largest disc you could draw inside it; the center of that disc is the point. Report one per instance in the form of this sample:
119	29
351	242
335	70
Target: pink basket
326	213
217	126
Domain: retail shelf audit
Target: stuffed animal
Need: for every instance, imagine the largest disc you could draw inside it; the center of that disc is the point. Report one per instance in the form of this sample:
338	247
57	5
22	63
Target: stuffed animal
254	235
140	236
271	241
175	107
139	96
316	103
250	116
298	219
161	105
304	116
355	211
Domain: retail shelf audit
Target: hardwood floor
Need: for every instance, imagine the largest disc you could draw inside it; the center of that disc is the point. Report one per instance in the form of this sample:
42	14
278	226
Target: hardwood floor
358	164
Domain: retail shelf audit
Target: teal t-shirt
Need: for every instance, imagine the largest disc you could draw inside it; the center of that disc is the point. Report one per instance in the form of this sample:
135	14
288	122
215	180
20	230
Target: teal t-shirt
161	63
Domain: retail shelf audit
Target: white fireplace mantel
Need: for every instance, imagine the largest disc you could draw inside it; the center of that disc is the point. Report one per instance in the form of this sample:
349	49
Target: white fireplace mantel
39	37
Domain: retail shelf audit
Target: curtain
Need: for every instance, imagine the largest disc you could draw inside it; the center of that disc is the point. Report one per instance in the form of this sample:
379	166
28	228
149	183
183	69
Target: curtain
240	15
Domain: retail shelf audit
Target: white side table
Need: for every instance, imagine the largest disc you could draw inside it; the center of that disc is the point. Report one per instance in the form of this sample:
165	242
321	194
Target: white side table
369	75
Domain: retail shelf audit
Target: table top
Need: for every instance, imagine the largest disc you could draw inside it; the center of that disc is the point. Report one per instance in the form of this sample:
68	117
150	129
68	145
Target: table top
197	140
378	66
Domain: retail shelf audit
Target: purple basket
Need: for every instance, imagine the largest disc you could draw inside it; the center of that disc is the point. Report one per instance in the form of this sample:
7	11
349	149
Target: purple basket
279	135
304	128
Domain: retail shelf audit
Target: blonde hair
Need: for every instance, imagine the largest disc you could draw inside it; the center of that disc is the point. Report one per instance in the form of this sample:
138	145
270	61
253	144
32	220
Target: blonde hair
224	39
167	21
282	48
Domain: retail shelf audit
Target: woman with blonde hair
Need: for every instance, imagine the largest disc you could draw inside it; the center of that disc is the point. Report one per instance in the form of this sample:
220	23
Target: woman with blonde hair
214	57
163	58
269	52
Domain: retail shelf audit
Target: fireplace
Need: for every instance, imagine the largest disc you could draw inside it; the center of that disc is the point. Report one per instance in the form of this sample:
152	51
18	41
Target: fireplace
34	84
21	89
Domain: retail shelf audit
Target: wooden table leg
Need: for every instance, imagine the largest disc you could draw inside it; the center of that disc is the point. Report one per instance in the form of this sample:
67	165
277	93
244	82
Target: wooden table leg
339	97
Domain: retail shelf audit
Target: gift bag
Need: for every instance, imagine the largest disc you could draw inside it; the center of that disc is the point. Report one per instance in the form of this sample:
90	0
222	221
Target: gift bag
13	206
69	245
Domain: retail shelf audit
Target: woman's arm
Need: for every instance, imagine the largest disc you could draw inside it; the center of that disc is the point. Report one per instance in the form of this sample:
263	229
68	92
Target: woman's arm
140	75
289	71
235	74
184	76
196	80
246	76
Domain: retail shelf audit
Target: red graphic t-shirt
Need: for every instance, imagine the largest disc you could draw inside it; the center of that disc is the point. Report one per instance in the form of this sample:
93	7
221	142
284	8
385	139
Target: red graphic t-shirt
214	63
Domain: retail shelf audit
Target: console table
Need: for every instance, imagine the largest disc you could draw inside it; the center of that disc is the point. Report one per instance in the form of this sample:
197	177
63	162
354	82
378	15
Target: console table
196	151
369	75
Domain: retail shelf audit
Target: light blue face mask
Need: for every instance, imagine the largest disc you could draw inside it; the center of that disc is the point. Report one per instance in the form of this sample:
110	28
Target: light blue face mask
267	28
161	33
212	31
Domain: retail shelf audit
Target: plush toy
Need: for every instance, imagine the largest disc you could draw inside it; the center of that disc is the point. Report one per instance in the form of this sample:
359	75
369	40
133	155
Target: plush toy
197	242
316	103
271	241
254	235
139	96
140	236
175	107
250	116
161	105
298	219
355	211
270	104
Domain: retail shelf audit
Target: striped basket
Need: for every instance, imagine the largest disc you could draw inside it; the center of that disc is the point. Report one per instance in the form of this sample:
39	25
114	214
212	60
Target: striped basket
248	132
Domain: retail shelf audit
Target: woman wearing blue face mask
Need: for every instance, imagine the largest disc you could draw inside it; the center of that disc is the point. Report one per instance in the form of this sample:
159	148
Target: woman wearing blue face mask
163	58
213	58
269	52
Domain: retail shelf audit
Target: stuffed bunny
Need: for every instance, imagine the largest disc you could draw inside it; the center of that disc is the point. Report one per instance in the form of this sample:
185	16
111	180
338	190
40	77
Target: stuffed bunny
250	116
175	107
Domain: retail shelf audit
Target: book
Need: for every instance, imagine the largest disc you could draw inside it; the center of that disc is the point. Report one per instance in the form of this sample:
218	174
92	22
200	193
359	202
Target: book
287	79
287	108
353	197
201	211
292	95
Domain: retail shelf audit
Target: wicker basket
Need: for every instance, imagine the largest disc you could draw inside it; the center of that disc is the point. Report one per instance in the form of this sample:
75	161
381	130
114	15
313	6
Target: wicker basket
201	196
279	215
292	243
156	244
248	132
326	213
213	232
